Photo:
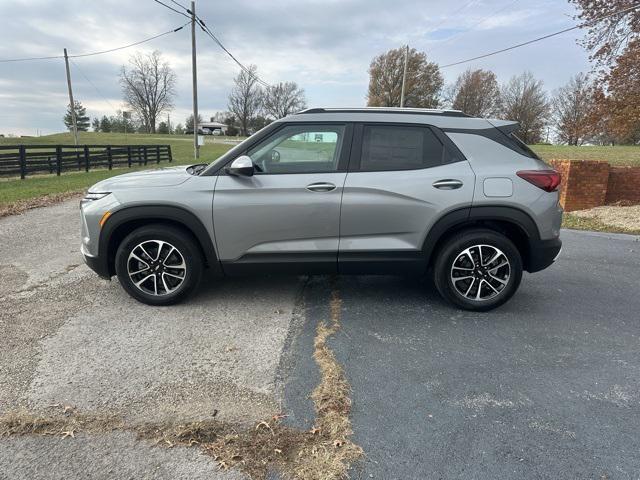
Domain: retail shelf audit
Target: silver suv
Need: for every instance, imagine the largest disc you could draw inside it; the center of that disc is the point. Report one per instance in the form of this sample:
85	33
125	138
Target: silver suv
348	191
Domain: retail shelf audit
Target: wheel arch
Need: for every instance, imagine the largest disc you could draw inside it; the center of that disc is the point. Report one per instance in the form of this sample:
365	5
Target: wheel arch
123	222
512	222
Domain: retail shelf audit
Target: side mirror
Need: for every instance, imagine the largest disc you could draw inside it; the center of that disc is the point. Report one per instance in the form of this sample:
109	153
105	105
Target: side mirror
241	167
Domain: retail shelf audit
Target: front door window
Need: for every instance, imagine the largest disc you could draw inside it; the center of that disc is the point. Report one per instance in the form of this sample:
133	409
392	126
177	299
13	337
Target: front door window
299	149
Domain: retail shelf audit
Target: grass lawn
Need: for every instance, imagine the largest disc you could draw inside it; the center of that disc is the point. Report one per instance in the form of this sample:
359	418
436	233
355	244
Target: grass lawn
15	190
619	155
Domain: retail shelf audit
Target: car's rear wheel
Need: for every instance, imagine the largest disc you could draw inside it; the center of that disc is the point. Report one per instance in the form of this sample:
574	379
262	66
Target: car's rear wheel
158	264
478	270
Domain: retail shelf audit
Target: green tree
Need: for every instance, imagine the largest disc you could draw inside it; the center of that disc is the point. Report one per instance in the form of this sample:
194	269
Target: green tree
95	124
82	120
189	123
163	128
179	129
105	124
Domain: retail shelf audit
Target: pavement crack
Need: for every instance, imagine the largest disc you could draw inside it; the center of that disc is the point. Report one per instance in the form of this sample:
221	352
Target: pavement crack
325	452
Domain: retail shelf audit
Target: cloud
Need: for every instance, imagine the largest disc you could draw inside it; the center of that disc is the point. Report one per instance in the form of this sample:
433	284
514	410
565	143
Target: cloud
324	45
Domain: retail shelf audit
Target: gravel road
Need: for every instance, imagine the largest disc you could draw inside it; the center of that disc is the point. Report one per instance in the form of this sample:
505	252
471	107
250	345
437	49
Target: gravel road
69	337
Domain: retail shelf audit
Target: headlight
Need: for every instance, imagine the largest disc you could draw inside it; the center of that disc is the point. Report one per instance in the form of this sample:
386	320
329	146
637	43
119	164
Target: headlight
92	196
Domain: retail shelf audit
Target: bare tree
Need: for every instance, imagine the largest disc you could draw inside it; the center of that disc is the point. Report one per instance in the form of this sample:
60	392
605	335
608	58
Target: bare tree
423	84
573	105
148	87
525	101
245	99
476	92
283	99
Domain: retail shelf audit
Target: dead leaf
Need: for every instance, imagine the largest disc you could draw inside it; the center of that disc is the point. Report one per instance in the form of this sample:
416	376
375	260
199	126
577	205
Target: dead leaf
266	425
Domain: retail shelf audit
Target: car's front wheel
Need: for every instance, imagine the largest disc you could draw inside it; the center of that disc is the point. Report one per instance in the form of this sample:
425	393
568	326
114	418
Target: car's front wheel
158	264
478	270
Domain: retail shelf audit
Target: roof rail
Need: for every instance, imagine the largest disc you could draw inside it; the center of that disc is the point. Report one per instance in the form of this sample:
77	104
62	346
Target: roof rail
411	111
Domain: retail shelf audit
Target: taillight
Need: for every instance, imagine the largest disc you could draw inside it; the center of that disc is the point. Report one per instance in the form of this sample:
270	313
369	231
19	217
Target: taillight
547	180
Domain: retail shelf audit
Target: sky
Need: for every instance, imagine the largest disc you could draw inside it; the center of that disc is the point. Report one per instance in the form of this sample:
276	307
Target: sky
325	46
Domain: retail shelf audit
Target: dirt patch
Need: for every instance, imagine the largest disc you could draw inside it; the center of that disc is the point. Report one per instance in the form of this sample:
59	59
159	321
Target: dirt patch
22	206
324	452
622	217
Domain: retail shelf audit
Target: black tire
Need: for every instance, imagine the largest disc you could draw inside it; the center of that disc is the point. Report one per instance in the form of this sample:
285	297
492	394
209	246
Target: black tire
187	250
453	251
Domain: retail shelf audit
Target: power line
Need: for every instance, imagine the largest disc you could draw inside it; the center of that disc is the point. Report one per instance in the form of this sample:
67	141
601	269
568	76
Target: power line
208	31
93	85
180	5
173	9
131	44
447	17
95	53
480	22
463	7
513	47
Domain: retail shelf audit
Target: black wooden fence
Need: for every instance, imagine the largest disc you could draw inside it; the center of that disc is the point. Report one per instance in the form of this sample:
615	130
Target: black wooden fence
26	160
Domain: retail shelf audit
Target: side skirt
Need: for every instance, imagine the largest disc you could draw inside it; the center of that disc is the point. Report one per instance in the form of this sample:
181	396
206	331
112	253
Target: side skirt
352	263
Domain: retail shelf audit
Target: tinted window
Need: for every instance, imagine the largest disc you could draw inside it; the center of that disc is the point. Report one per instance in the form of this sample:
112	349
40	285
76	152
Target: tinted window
399	148
300	149
521	147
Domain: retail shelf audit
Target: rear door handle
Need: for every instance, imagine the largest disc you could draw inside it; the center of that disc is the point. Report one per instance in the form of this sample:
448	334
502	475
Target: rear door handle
321	187
448	184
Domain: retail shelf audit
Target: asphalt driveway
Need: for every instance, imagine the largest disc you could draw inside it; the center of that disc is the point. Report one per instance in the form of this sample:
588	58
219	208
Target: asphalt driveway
548	386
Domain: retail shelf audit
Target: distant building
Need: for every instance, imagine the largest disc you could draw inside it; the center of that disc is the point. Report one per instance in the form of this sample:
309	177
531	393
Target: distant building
213	128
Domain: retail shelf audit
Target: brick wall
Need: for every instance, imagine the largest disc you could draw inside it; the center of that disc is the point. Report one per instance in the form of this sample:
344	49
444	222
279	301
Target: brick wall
624	185
587	184
562	166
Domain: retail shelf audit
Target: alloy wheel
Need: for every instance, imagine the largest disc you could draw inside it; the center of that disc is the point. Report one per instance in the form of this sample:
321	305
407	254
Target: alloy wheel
480	272
156	267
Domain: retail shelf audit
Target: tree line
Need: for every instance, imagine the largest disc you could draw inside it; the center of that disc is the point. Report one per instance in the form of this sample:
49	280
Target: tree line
148	90
573	114
602	106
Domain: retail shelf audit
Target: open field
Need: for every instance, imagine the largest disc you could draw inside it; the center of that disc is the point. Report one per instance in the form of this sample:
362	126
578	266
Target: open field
16	190
618	155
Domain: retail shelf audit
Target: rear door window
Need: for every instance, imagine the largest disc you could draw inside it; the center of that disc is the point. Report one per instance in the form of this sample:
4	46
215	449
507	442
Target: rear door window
396	147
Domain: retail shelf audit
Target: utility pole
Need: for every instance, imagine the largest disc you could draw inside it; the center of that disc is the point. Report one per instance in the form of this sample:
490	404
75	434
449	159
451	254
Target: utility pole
194	71
73	105
404	75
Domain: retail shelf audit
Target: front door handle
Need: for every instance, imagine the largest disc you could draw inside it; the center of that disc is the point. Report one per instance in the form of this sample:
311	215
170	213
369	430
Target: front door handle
321	187
448	184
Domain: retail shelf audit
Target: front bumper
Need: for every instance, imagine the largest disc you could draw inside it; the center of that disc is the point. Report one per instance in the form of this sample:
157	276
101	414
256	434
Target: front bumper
543	253
96	264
